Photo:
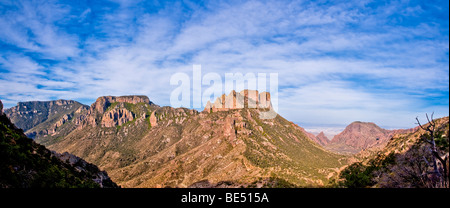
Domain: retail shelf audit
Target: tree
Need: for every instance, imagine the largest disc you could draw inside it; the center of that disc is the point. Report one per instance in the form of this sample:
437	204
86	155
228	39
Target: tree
439	175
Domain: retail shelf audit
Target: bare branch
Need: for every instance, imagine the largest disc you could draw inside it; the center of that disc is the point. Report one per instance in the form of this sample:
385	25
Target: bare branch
432	124
428	141
418	122
432	121
436	155
428	128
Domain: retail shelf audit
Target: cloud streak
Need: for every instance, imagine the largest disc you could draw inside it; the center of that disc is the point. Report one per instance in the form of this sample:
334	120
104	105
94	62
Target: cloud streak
337	62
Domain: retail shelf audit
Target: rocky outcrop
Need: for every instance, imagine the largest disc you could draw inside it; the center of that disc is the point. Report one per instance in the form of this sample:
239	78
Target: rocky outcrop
116	117
264	100
63	120
244	99
97	114
168	115
322	139
81	112
1	108
153	119
102	103
40	118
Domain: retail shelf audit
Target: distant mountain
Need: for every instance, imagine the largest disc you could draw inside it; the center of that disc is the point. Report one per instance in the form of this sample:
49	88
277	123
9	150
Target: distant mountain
42	118
403	162
141	144
322	139
25	163
360	136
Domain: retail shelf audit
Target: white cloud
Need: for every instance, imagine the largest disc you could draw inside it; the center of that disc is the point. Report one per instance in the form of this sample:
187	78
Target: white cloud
336	62
32	27
339	102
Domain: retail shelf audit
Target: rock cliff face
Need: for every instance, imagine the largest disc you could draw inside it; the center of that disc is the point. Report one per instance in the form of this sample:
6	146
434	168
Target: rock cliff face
116	117
40	118
109	111
104	102
28	114
153	119
244	99
59	118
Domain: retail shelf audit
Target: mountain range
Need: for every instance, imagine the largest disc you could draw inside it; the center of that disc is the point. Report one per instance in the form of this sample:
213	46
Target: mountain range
228	144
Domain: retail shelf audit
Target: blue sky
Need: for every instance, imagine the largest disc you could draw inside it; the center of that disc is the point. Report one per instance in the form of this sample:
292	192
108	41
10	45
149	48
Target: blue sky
338	61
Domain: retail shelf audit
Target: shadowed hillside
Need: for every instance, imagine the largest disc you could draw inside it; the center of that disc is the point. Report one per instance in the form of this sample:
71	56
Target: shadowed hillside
25	164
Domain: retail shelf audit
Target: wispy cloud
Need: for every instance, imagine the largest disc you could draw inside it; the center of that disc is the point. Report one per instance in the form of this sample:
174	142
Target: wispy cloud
337	61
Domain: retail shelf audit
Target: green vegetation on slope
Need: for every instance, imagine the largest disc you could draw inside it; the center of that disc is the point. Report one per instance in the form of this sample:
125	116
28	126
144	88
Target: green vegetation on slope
358	175
405	162
27	164
287	153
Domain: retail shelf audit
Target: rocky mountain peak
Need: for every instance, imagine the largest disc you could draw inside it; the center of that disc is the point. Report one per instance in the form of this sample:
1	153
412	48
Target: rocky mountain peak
106	114
359	136
102	103
27	115
243	99
322	139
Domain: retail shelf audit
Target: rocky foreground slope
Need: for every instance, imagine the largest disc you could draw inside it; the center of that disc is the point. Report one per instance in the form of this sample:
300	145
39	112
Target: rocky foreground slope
404	162
25	163
41	118
141	144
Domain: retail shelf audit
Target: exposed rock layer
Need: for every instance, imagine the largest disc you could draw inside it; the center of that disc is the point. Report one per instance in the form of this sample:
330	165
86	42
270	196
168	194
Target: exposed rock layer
244	99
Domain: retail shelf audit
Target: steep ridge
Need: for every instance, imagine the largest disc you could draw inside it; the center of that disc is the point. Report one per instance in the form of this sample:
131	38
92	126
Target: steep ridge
106	110
42	118
143	145
26	164
322	139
